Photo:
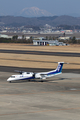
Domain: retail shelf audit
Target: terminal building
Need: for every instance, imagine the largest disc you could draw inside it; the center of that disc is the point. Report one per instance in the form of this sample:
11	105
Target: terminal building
48	42
5	36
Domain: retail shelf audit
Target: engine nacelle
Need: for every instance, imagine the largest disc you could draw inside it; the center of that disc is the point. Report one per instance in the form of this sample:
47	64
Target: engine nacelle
37	76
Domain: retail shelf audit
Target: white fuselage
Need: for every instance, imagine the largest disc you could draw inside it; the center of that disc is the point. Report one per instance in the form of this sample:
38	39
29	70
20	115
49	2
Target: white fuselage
22	76
44	75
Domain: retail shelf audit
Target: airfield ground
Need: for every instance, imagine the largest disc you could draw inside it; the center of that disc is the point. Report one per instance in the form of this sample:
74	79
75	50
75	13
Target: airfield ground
31	59
56	98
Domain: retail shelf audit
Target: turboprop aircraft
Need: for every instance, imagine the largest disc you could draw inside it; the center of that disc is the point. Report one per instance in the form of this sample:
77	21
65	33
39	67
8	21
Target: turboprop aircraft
41	75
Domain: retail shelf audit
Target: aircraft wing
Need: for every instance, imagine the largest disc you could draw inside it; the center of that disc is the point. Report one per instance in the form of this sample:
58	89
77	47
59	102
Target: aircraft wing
19	71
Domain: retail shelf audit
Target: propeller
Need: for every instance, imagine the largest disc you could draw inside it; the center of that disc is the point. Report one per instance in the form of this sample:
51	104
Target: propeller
19	71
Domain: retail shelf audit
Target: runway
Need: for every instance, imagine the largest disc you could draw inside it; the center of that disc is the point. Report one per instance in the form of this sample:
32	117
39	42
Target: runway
56	98
41	53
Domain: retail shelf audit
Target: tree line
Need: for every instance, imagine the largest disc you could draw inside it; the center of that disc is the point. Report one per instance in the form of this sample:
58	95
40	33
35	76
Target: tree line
71	41
16	40
23	40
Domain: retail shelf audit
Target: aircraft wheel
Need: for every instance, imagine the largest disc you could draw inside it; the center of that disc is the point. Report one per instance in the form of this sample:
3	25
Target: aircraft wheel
9	81
42	81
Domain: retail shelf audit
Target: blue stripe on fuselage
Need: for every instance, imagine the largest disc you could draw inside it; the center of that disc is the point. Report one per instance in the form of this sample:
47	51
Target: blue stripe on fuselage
53	73
27	78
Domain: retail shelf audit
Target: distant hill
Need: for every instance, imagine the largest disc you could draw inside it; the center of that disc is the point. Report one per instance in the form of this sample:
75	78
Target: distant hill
39	21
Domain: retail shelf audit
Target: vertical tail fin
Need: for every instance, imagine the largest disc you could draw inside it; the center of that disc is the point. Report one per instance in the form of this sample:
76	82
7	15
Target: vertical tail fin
59	67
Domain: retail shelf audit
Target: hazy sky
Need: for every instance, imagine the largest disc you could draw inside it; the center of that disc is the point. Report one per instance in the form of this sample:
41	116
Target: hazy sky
56	7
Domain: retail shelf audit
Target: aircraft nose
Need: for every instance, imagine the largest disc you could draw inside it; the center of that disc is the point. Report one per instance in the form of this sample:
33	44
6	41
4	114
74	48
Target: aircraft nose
8	79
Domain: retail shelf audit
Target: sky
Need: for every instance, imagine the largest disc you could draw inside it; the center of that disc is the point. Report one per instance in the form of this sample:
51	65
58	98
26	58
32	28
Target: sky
56	7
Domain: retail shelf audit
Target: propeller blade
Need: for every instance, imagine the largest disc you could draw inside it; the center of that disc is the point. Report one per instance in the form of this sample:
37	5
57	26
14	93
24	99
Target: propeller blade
19	71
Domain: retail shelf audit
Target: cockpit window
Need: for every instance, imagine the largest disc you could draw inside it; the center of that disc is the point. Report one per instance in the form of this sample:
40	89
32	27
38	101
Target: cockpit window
28	73
12	76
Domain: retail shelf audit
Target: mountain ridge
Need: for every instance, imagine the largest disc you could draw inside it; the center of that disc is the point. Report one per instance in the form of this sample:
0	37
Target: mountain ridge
39	21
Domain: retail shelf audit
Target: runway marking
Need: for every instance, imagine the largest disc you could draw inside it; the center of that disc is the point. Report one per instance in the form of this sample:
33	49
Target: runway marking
42	111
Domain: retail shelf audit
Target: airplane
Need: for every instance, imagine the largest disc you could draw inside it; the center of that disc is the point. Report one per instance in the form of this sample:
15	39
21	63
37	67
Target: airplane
41	75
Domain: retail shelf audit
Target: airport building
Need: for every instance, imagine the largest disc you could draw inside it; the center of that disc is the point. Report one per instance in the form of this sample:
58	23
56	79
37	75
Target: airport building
48	42
65	38
5	36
